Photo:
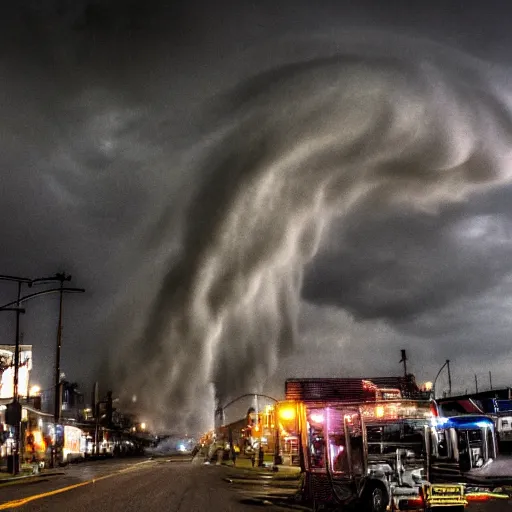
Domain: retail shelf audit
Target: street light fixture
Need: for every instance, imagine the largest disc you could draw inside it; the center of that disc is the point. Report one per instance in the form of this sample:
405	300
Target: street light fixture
221	412
61	278
15	306
447	364
16	408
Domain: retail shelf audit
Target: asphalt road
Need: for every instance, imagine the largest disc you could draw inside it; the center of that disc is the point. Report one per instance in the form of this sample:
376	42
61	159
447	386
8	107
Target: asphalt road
173	485
145	485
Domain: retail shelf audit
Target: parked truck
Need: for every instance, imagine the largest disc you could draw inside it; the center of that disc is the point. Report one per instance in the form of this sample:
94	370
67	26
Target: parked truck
382	455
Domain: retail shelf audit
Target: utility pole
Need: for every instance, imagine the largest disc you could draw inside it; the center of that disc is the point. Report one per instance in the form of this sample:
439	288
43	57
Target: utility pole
404	361
476	383
17	346
449	377
14	409
96	410
61	278
15	394
490	379
58	394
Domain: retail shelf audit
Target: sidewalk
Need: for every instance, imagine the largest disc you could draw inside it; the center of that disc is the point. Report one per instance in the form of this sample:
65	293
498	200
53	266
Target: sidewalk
244	467
26	475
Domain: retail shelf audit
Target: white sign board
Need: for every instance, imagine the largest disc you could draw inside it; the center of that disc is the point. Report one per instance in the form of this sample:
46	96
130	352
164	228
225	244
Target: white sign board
7	365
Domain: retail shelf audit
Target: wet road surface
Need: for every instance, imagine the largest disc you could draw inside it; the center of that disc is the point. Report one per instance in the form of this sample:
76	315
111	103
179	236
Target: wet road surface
175	486
165	484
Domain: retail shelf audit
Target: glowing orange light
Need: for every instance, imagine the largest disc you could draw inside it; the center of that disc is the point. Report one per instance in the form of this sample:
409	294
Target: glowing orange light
39	440
478	497
485	496
287	414
379	411
34	390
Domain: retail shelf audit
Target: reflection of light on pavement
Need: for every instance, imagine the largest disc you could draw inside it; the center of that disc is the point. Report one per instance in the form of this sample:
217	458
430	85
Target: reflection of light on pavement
92	479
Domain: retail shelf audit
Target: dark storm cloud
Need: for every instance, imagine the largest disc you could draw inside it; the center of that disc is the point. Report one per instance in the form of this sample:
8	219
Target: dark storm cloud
187	204
83	171
286	168
399	264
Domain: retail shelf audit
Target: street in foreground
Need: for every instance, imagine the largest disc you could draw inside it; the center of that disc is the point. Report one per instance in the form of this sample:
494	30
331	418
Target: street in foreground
160	484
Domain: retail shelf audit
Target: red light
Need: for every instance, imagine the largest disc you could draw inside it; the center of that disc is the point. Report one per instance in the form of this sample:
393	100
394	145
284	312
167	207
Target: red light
411	503
477	497
484	496
433	410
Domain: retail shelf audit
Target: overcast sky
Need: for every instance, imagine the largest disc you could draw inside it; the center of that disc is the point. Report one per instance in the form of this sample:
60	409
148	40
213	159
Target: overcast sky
258	191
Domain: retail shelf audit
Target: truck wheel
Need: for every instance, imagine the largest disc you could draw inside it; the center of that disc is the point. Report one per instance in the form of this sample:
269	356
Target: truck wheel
375	498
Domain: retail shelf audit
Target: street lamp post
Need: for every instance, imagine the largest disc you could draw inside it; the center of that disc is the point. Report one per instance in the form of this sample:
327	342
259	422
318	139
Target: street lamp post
61	278
15	392
14	409
447	364
17	427
58	393
19	311
17	344
221	411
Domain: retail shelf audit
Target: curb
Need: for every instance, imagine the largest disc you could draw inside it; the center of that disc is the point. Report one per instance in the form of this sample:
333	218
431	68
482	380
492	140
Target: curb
264	502
248	473
263	478
278	484
27	478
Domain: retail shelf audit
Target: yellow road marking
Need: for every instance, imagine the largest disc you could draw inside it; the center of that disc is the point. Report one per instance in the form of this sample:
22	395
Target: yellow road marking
28	499
24	501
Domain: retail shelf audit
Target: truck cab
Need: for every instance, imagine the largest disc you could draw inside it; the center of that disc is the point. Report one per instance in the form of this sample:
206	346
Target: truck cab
389	455
500	410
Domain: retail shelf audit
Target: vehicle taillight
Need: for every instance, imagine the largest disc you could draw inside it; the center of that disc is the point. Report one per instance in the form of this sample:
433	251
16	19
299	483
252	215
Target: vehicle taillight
412	503
433	410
